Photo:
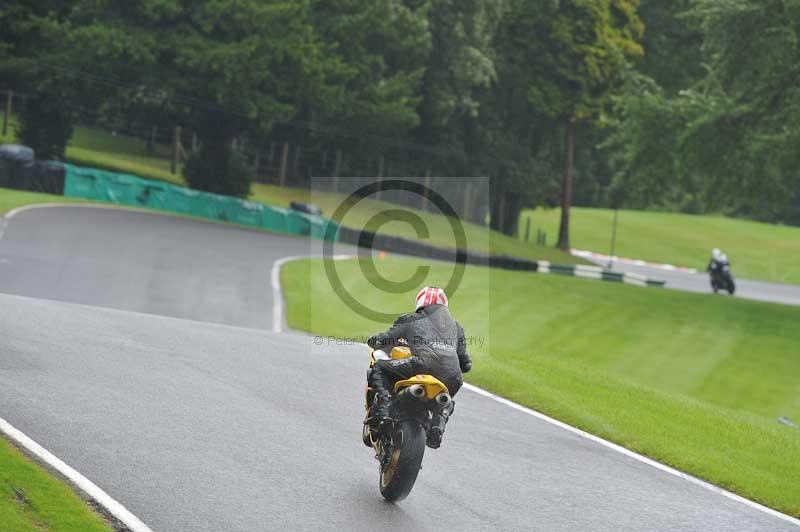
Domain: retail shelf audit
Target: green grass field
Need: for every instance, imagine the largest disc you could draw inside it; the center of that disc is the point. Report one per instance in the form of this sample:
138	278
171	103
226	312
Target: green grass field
478	238
32	500
11	199
693	381
756	250
117	153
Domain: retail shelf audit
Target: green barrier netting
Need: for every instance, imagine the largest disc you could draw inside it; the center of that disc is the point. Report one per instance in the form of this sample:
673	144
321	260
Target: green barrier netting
155	195
275	219
247	212
298	224
79	185
181	199
124	189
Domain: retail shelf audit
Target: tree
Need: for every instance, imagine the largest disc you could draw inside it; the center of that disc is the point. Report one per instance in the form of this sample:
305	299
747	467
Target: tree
460	68
745	121
672	44
576	50
375	53
721	139
224	67
642	146
513	145
30	33
45	124
642	143
461	106
217	167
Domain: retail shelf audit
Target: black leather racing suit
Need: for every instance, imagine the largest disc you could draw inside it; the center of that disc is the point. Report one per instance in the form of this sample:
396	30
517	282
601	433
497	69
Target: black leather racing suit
715	267
438	348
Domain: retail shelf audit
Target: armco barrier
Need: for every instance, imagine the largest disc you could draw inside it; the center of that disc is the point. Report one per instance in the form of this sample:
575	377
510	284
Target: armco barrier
124	189
416	248
596	272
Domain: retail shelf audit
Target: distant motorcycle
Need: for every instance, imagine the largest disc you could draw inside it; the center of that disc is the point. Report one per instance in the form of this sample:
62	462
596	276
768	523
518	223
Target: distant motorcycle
721	277
400	448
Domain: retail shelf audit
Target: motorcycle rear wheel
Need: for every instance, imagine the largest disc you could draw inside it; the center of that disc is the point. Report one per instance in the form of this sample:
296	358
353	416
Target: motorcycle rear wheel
398	476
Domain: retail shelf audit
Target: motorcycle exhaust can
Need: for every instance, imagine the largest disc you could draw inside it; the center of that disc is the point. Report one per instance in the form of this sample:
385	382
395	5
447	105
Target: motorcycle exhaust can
443	399
416	391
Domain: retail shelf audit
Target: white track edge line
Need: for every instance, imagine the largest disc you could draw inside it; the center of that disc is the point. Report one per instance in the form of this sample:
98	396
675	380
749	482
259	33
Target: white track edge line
277	292
278	301
278	318
277	326
636	456
84	484
14	212
4	219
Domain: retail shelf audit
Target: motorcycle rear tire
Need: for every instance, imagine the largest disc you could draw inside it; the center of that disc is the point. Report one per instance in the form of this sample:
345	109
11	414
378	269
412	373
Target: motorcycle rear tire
398	476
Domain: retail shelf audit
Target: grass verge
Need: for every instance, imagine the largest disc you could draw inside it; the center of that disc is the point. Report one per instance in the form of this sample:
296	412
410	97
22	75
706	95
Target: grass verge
693	381
756	250
32	500
479	238
120	153
11	199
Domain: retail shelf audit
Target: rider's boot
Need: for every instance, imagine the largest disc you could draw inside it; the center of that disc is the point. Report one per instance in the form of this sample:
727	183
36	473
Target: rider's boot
379	413
438	422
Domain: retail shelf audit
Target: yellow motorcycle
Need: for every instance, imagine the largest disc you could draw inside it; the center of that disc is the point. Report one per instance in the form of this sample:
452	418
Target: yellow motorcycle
399	448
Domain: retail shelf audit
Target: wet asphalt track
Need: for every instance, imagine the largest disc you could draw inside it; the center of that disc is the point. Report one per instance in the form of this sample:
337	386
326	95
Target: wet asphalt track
144	262
210	427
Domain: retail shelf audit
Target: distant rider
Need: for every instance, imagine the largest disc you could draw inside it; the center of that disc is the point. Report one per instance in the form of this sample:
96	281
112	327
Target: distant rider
718	260
438	347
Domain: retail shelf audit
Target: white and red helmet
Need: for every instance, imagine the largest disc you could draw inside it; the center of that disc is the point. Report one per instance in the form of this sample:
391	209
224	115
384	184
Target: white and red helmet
430	295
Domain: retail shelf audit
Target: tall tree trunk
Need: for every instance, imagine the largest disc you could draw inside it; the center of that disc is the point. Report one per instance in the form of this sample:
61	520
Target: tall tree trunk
494	210
513	208
566	185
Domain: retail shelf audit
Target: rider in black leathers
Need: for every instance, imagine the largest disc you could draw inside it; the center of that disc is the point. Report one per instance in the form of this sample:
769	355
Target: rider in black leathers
717	262
718	259
438	347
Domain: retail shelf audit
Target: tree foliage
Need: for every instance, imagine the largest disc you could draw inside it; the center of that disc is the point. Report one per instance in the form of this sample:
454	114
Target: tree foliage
46	125
689	105
724	141
571	54
218	168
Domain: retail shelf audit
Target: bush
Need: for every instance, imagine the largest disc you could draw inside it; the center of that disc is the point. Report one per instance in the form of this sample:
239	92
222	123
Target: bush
218	168
46	125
